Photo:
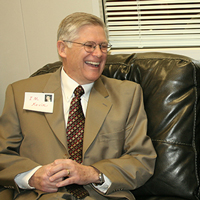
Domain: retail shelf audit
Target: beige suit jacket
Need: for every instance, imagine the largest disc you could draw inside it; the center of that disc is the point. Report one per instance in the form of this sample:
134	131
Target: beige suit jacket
115	138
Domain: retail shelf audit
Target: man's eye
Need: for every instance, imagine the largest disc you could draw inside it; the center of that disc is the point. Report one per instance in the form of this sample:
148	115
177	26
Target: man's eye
104	46
89	45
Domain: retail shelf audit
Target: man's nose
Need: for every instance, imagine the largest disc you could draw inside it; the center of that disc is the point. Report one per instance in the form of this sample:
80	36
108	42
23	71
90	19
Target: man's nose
97	51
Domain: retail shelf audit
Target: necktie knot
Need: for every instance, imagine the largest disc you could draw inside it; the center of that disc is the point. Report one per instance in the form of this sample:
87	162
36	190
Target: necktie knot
79	91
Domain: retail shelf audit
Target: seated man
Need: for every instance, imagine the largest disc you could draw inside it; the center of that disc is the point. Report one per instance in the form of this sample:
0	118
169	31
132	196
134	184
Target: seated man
95	147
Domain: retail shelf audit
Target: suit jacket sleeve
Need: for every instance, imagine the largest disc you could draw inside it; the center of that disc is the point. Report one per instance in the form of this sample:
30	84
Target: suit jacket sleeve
10	140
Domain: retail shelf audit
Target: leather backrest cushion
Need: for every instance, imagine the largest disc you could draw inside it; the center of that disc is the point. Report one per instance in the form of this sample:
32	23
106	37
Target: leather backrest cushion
48	68
171	98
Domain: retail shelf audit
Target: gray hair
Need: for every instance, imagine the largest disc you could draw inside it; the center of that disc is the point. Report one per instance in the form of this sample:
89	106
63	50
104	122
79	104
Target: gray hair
70	26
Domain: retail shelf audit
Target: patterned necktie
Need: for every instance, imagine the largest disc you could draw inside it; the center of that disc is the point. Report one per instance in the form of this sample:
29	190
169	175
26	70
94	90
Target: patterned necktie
75	126
75	130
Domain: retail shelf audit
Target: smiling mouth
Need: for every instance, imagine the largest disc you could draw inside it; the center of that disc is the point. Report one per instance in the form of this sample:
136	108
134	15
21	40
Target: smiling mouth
96	64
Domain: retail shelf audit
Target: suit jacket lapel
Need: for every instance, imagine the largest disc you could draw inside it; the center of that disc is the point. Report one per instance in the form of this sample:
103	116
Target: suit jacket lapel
97	110
56	119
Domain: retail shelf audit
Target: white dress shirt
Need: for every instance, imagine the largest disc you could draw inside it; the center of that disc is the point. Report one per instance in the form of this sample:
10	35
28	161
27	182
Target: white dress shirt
68	86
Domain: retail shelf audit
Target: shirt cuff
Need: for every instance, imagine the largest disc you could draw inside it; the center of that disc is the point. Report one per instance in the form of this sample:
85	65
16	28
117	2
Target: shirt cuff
23	178
104	187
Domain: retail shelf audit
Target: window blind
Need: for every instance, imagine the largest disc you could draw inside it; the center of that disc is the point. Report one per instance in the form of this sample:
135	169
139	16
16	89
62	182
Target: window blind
152	23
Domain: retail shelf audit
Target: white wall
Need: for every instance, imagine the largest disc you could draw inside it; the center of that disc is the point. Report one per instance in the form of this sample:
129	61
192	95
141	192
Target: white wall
28	35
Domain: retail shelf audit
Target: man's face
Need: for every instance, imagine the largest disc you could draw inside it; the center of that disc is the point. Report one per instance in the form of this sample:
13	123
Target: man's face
81	66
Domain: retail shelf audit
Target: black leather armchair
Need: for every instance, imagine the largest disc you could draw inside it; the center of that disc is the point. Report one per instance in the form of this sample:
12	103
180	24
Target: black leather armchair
171	86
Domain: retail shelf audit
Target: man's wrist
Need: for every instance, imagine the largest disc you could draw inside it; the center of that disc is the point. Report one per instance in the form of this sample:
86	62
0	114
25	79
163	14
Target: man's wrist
22	180
100	177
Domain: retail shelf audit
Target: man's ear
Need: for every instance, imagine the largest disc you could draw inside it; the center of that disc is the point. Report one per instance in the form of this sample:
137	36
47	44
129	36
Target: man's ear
61	48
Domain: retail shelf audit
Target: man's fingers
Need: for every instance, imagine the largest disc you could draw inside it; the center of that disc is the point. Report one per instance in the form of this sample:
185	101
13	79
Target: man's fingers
64	165
60	175
67	181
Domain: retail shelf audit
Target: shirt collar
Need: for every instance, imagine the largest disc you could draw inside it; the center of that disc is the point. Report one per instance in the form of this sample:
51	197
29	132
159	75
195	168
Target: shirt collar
68	85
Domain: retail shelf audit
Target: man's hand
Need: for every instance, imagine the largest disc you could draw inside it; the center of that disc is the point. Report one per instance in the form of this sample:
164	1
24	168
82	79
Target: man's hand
76	173
40	180
62	172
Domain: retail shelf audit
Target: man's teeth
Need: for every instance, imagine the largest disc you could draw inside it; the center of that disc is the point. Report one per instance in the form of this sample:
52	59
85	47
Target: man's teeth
92	63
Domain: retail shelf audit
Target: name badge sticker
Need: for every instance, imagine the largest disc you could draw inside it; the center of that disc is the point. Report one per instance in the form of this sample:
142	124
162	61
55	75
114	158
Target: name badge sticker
40	102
